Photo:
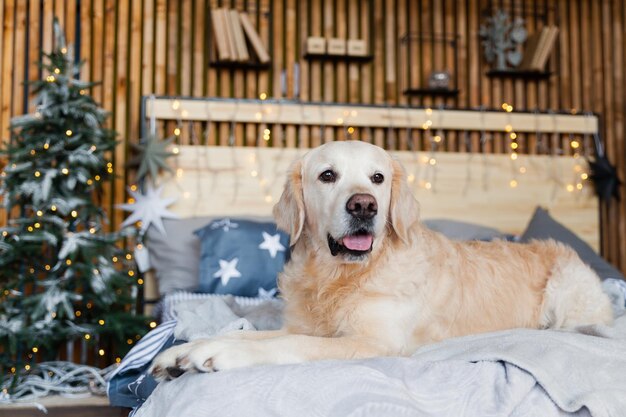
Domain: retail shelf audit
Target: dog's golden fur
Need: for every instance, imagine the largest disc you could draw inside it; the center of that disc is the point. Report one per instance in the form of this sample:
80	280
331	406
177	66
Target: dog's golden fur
414	287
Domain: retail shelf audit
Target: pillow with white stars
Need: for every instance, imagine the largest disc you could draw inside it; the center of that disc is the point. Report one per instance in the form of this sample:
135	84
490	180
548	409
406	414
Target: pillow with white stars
241	257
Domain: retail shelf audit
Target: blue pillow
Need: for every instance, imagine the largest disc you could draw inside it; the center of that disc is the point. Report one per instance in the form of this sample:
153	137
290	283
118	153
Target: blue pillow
241	257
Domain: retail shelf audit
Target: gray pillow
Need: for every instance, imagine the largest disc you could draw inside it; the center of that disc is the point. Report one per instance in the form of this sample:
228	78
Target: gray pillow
175	256
543	226
464	231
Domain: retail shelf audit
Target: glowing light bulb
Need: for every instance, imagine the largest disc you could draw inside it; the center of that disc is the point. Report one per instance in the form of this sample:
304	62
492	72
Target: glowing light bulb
68	132
513	183
263	96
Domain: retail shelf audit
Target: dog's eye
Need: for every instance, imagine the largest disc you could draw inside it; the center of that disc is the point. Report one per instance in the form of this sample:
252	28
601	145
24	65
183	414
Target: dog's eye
328	176
378	178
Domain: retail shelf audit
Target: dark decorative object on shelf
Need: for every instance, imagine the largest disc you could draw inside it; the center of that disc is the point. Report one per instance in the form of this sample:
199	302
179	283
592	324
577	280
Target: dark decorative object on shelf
439	80
501	38
605	179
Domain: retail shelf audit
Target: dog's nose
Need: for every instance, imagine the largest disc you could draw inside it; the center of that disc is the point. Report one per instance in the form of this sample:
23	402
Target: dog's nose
362	206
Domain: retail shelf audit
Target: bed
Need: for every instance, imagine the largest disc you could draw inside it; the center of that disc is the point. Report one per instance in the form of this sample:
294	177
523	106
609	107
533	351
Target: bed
224	197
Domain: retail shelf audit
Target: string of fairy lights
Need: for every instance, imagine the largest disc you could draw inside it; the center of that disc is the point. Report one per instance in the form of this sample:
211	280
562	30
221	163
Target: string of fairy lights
423	173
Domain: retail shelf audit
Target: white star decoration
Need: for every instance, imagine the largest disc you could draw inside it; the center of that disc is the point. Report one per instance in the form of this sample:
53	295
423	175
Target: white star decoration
224	224
272	244
149	208
228	270
267	294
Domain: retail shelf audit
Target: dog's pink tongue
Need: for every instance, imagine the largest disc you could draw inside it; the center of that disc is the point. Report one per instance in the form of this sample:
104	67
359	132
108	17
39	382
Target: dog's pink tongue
359	242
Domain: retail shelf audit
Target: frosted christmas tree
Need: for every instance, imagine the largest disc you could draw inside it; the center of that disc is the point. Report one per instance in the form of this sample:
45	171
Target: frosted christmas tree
62	277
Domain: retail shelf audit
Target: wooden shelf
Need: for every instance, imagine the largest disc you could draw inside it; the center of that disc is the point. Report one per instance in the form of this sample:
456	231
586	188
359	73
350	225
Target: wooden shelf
240	65
444	92
523	74
328	57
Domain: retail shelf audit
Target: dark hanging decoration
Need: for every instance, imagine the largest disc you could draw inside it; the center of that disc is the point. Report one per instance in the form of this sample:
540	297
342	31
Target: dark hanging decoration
605	179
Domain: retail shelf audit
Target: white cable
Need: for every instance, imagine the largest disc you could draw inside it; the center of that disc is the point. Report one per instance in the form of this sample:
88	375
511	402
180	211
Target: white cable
63	378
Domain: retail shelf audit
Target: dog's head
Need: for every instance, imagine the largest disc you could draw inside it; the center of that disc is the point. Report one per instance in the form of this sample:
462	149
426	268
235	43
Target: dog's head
348	197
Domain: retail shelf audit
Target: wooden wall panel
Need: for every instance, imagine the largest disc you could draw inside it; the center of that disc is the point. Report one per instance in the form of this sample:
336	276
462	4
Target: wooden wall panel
162	47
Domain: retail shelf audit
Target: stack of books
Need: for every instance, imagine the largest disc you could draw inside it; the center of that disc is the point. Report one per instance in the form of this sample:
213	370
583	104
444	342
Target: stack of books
231	29
539	46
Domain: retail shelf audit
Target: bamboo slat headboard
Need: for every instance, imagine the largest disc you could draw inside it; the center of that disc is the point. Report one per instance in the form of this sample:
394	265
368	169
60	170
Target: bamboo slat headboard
488	189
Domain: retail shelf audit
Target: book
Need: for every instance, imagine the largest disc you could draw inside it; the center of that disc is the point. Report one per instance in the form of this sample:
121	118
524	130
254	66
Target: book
240	41
230	35
546	49
254	38
221	43
541	42
529	50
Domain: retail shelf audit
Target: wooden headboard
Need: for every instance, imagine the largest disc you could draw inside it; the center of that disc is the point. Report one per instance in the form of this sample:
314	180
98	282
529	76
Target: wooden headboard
486	189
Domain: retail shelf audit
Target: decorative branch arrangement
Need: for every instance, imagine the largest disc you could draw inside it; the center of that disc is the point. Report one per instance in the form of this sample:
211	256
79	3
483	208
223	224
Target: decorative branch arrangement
501	39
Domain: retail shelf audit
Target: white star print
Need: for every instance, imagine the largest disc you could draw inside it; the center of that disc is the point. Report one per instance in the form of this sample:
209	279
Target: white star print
228	270
266	294
272	244
149	208
225	224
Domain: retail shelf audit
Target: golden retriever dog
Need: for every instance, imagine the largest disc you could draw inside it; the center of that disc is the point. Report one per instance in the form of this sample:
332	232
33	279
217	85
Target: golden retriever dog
366	278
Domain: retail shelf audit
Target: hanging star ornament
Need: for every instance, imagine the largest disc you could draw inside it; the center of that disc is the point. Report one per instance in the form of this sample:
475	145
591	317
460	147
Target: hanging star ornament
605	179
149	209
152	154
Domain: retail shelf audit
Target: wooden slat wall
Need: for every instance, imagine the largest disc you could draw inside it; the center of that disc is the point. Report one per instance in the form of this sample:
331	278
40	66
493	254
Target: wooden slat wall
165	46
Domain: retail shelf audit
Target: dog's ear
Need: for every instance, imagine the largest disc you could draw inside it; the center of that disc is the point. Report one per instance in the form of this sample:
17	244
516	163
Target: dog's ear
404	208
289	211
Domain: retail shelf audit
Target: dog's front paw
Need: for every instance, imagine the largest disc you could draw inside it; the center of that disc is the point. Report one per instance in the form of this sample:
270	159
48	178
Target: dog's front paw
207	356
171	362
